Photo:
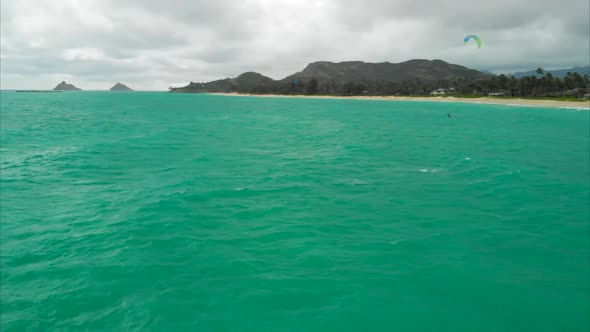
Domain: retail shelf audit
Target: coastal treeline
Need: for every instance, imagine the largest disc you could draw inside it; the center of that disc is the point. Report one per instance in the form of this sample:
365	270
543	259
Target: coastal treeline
546	85
573	85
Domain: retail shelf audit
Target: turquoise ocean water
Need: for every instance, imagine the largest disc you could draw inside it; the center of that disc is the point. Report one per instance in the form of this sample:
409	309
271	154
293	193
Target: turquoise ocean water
176	212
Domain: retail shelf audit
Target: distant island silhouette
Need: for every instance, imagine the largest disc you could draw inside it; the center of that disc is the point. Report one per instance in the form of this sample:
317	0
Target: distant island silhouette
63	86
120	87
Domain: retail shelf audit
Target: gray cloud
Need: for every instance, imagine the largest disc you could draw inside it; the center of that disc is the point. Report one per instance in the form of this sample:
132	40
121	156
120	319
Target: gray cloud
151	44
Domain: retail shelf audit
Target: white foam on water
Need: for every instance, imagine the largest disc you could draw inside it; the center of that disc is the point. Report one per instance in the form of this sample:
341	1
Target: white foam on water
519	105
432	170
575	108
357	182
352	182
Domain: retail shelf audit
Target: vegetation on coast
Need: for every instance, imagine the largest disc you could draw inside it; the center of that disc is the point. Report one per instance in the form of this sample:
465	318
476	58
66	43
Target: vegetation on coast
419	78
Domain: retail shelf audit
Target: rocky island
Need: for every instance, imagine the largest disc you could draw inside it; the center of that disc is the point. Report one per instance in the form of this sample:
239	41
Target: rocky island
120	87
63	86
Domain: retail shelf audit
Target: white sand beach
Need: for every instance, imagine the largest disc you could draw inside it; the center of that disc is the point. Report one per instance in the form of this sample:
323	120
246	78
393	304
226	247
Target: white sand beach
481	100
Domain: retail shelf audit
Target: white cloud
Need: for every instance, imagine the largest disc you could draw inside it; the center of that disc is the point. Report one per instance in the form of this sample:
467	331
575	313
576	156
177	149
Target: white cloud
151	44
84	54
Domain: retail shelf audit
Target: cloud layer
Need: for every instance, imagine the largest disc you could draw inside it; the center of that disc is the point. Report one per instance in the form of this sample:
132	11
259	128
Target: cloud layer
150	44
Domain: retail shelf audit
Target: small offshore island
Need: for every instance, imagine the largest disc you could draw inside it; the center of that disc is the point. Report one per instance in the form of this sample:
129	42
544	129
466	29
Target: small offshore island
63	86
120	87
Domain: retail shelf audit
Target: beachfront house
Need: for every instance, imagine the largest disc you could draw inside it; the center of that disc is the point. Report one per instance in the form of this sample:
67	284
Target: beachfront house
438	92
496	94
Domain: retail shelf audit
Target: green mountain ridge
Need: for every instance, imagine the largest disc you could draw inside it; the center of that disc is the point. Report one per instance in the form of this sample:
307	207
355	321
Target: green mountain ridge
325	76
356	71
561	73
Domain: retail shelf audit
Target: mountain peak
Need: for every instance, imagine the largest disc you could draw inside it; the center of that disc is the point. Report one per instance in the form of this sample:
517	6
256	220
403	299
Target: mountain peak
120	87
66	87
253	79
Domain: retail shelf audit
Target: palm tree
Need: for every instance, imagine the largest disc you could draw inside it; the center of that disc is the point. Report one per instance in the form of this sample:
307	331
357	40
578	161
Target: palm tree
503	82
550	82
568	81
579	81
512	85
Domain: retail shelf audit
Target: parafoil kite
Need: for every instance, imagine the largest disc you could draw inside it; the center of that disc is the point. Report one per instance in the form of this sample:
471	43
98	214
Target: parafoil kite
477	40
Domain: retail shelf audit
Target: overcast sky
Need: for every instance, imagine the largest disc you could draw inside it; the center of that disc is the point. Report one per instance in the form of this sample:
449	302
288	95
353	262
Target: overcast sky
153	44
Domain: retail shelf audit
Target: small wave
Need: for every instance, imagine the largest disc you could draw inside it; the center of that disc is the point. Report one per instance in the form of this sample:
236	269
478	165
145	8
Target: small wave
432	170
351	182
521	105
575	108
467	158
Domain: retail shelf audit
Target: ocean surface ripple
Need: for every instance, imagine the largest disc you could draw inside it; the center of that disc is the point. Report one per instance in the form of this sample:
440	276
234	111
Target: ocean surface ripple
152	211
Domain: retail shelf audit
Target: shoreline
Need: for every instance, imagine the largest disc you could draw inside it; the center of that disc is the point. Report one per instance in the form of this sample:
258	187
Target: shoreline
482	100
